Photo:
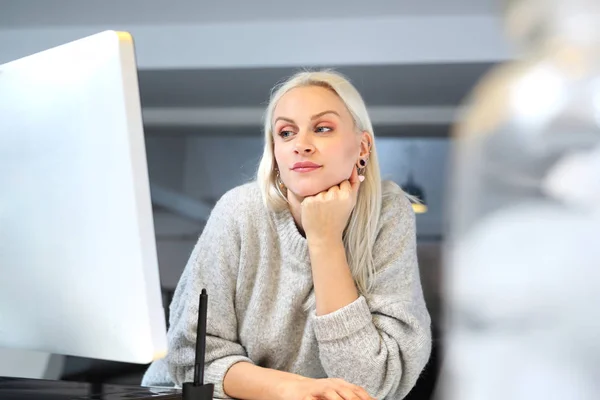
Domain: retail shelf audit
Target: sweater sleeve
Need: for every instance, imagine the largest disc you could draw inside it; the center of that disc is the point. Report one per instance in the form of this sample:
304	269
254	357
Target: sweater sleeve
382	341
213	265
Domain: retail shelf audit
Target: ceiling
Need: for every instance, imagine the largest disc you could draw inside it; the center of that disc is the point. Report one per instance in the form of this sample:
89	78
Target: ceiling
27	13
391	85
387	85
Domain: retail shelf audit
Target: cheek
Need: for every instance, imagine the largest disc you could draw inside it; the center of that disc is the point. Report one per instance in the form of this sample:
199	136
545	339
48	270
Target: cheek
281	160
344	155
352	152
278	154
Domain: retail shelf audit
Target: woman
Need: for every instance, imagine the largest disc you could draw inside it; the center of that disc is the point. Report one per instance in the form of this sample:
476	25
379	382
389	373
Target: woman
311	271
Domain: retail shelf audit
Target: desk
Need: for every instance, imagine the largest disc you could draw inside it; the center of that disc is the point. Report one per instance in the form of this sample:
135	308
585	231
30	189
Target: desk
40	389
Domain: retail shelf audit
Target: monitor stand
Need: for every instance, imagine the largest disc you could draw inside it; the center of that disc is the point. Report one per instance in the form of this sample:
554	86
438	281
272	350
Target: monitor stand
42	389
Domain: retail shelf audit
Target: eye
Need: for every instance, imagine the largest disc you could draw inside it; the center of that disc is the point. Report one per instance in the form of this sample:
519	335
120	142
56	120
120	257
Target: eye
323	129
285	134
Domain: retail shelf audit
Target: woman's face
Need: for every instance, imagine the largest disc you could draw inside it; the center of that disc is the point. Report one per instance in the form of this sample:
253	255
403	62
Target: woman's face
315	141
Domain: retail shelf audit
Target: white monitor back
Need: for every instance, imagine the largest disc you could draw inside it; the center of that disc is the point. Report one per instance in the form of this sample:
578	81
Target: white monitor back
78	266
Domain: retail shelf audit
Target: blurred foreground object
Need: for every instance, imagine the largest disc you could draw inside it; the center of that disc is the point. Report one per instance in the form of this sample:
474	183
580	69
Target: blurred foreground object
523	258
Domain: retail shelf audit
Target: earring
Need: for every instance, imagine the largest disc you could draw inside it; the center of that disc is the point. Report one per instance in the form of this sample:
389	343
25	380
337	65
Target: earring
362	163
279	181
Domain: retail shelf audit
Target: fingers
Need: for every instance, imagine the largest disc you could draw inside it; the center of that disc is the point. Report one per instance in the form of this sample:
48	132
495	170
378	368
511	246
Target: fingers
346	186
332	395
355	180
354	177
357	390
349	394
362	393
351	184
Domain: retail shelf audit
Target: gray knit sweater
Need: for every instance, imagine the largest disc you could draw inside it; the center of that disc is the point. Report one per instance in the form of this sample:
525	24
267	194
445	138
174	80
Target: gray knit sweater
255	266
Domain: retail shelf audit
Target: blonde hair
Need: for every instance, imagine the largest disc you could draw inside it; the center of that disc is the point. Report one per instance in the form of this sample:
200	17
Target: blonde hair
360	234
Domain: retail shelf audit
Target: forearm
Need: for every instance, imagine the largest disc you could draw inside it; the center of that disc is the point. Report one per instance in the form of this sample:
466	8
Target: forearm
333	281
384	355
246	381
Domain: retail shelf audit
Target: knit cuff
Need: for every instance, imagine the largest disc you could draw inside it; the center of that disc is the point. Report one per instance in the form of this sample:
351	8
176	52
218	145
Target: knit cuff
343	322
216	371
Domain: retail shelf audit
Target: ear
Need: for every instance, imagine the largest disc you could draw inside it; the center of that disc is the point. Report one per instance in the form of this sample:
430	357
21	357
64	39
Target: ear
366	142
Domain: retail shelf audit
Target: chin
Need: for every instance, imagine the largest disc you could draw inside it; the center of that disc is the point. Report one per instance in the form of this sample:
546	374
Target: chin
310	189
305	192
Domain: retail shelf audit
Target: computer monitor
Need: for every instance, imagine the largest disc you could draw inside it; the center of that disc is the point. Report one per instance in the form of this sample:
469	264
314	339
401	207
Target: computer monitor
78	265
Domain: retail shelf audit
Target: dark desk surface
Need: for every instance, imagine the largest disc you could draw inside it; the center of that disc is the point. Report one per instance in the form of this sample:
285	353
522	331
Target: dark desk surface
40	389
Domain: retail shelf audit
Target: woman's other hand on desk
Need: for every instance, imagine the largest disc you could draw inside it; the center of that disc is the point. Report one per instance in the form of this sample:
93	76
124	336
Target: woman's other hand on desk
324	389
248	381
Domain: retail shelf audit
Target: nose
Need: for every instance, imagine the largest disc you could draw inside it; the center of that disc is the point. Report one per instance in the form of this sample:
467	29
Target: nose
303	145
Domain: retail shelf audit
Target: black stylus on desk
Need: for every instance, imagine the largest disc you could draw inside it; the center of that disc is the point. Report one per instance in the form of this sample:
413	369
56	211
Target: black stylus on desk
197	390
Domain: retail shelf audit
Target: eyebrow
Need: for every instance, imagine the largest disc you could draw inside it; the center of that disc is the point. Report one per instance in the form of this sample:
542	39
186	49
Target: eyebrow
291	121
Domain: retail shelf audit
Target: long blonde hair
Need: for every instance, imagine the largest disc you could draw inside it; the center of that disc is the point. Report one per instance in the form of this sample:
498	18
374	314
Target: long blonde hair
360	234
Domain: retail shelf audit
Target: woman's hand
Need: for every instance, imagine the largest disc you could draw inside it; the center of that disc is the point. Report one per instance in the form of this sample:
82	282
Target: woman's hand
323	389
325	215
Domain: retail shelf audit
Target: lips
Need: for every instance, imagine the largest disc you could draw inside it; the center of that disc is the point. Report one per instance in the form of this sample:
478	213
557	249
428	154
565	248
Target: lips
305	166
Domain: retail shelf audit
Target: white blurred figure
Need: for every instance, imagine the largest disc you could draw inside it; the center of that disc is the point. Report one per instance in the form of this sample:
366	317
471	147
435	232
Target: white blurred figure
522	273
